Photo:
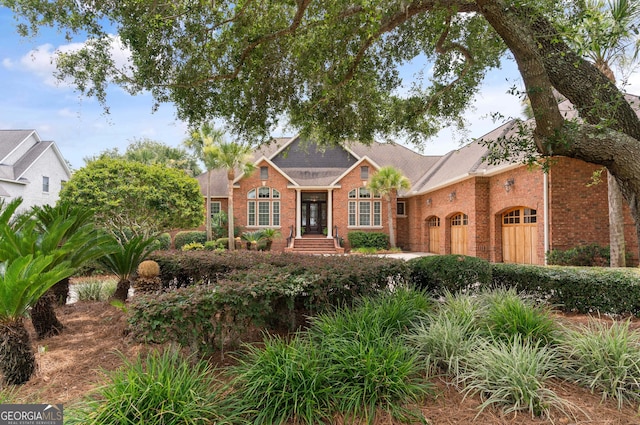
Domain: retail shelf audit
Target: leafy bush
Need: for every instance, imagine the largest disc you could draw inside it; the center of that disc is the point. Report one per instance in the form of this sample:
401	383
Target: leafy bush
585	255
192	246
163	242
163	389
213	245
612	291
186	237
605	357
440	273
375	240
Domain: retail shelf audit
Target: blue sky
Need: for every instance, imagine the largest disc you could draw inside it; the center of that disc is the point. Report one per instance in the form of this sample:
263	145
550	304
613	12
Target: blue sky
31	99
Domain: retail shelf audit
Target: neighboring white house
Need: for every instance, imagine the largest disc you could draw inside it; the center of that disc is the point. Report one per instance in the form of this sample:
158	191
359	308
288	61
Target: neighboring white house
30	168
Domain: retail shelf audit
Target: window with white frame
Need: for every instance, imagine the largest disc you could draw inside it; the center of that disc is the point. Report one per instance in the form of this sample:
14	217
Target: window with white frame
364	209
263	207
45	184
216	208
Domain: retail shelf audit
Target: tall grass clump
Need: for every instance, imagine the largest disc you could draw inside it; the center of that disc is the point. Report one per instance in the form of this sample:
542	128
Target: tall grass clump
369	364
605	358
95	289
509	315
282	381
446	336
513	374
161	388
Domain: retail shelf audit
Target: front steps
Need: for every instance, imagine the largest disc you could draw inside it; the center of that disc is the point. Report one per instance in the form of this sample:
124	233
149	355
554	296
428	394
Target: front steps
315	245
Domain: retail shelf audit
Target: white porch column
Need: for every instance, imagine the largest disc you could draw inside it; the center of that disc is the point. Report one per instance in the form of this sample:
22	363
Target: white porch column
330	214
298	214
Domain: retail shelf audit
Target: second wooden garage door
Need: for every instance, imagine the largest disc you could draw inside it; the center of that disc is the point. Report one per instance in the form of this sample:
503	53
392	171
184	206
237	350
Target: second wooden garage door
520	236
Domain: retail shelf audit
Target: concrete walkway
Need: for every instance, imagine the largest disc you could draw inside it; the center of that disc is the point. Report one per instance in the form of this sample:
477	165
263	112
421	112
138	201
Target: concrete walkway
406	255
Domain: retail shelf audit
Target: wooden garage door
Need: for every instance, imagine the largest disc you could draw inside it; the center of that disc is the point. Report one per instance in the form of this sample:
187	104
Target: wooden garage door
520	236
434	234
459	239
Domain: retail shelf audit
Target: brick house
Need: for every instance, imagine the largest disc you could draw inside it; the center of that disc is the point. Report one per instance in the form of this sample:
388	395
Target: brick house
458	203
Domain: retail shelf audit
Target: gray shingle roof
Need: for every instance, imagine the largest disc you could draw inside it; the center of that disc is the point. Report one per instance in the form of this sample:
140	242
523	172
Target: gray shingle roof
10	139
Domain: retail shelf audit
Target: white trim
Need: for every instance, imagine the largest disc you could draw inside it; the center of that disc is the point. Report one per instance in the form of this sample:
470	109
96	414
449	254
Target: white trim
353	167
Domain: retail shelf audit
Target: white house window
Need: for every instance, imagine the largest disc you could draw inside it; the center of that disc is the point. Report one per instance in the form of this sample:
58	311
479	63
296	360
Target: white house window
265	211
401	208
45	184
365	210
264	173
364	172
215	213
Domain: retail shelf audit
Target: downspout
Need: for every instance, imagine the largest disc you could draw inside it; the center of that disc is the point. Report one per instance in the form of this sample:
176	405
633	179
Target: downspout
545	184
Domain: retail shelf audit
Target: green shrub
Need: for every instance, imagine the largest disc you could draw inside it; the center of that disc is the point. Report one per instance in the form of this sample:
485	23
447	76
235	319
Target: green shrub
192	246
439	273
585	255
574	289
163	389
513	374
213	245
375	240
509	315
163	242
285	380
186	237
605	358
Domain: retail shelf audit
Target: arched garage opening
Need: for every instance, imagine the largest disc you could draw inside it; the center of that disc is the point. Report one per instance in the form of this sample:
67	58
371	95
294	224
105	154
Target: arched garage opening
459	234
520	236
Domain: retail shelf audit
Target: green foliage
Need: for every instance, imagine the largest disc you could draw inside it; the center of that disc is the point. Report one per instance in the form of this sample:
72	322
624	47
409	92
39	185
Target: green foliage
360	239
284	380
126	256
605	357
163	242
585	255
213	245
513	374
187	237
151	152
583	290
193	246
509	315
159	389
95	289
146	199
440	273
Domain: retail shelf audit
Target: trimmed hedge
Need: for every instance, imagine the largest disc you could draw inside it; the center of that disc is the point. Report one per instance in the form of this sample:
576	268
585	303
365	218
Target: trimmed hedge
440	273
188	237
375	240
163	242
574	289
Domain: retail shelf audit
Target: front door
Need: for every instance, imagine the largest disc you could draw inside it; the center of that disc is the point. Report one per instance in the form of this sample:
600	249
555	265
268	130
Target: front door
314	217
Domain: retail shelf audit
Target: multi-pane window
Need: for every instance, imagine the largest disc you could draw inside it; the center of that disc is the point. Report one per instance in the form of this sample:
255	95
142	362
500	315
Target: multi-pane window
434	222
215	213
45	184
364	172
264	173
520	215
263	207
401	208
364	209
460	220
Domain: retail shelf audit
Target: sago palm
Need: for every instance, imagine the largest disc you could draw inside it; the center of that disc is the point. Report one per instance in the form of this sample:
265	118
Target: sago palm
387	182
23	280
124	259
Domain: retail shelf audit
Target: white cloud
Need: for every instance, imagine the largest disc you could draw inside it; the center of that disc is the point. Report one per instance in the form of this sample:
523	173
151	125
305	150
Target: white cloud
7	63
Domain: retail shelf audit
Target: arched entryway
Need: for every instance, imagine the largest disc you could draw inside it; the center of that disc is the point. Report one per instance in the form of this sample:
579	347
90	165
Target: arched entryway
433	229
459	238
520	236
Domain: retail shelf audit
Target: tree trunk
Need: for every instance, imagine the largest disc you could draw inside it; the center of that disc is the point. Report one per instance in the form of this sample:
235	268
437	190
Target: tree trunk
17	361
392	235
230	178
122	290
61	291
43	316
616	224
208	220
